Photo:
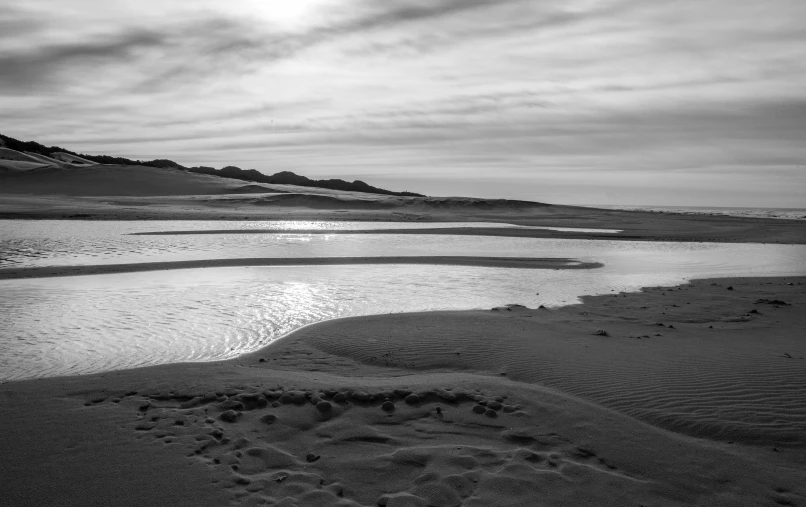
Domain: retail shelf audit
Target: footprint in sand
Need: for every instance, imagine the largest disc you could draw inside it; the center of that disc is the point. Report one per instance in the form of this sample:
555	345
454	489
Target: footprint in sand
346	447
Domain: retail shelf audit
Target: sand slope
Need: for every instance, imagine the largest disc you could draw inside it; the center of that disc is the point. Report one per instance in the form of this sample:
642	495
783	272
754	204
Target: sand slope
12	161
112	180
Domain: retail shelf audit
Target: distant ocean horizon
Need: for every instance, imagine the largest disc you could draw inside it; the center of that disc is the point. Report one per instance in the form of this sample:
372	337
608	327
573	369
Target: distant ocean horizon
779	213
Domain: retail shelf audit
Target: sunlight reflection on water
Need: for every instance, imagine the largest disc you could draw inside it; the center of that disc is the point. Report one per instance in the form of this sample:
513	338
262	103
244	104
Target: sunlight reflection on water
60	243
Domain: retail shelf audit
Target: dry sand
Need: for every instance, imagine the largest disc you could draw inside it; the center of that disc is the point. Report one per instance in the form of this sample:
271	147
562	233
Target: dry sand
512	407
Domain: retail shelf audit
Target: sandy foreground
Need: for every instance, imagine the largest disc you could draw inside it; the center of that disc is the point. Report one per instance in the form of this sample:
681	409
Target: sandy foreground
690	395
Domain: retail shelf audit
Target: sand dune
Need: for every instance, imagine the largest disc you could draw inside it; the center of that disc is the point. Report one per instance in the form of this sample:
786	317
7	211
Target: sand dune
72	159
7	154
110	180
47	160
356	201
255	189
15	161
470	203
146	193
25	161
13	166
328	202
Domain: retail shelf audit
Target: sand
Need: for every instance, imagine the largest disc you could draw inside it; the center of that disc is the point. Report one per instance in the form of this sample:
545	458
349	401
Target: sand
101	269
505	407
690	395
105	192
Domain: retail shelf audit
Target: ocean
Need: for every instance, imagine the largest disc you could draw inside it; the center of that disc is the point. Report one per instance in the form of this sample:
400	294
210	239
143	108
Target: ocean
778	213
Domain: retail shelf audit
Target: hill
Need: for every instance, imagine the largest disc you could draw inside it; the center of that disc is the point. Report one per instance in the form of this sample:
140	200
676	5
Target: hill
289	178
116	180
61	156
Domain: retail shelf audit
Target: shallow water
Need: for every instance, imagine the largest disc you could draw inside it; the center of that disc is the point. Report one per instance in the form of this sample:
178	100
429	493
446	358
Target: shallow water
71	243
72	325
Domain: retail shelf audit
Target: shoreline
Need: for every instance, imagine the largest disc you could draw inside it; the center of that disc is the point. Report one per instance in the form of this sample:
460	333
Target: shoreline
706	409
636	225
102	269
511	232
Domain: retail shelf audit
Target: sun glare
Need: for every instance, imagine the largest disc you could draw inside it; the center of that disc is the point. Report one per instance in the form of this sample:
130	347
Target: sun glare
288	13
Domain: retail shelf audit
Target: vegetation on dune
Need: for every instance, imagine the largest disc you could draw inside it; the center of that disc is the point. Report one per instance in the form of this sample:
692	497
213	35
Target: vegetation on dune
48	151
281	178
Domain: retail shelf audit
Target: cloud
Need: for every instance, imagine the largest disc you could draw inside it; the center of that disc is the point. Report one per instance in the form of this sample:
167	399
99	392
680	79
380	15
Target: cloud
183	52
525	90
15	21
237	45
30	69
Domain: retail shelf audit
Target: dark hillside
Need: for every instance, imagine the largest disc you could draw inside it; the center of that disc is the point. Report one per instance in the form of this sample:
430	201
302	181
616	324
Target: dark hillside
289	178
281	178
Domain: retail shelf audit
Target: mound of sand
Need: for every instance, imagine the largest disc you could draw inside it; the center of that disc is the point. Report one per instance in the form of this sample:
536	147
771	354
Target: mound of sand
471	203
358	201
7	154
14	166
316	201
72	159
47	160
15	161
113	180
256	189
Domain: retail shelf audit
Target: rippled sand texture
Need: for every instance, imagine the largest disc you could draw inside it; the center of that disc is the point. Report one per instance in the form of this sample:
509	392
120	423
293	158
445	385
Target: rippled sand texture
702	359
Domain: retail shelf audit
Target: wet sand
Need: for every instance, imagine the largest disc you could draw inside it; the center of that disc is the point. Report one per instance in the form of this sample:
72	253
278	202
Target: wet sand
635	225
103	269
688	395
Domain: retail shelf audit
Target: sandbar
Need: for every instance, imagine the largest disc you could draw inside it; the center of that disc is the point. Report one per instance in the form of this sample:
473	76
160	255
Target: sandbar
102	269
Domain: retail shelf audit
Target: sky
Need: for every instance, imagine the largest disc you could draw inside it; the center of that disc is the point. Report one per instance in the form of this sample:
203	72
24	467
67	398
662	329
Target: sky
681	102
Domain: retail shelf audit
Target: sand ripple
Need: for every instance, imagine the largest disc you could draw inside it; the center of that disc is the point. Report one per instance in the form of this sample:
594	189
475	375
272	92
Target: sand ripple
725	378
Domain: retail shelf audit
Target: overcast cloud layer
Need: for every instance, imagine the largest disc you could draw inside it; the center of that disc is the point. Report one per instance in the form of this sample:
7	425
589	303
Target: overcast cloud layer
691	102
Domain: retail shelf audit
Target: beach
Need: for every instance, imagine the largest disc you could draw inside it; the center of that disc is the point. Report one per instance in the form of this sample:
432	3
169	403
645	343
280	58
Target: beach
687	395
683	394
112	192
